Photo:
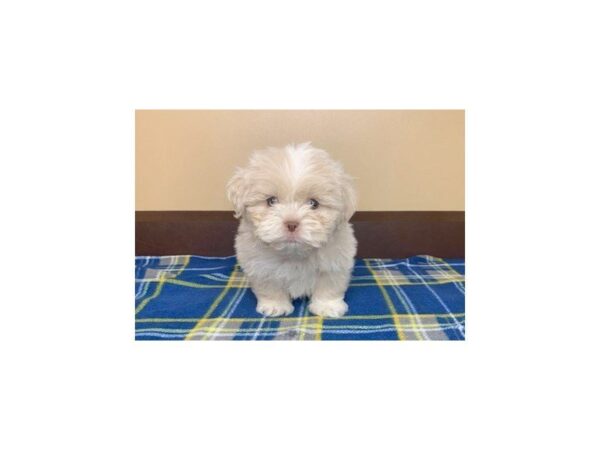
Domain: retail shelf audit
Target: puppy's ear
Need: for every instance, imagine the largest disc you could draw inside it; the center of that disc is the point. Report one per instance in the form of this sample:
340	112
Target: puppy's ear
348	196
236	192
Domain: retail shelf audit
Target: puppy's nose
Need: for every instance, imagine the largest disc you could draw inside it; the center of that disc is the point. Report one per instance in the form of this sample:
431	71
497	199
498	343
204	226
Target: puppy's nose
291	226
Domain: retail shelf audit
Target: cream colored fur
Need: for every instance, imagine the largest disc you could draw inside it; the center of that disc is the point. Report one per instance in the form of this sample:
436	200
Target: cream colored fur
316	259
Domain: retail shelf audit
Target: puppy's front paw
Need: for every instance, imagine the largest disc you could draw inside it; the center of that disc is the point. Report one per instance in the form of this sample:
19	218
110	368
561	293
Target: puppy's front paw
328	308
274	308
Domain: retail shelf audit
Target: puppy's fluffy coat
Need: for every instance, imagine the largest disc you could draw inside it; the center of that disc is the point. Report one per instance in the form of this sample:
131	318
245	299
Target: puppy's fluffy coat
294	239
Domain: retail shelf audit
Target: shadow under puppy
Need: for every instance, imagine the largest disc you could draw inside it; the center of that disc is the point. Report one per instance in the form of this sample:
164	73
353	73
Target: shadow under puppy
294	239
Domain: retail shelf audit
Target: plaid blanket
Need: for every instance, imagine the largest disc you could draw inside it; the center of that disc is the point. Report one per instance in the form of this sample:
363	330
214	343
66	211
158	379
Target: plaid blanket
195	297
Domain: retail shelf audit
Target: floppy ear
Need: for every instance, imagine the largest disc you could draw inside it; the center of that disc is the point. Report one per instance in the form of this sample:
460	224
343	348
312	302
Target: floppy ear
236	192
348	196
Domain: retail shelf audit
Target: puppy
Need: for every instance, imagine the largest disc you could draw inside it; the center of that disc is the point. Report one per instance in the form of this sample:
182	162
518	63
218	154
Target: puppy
294	239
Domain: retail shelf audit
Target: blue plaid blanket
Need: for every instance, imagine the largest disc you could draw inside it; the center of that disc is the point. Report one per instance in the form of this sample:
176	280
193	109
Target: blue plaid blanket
205	298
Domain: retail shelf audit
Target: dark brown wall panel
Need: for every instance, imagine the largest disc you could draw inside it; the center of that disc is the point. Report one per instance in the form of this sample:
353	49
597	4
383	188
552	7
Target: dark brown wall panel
380	234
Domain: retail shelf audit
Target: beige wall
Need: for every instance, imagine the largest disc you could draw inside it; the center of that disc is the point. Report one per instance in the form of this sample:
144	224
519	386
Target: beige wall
402	160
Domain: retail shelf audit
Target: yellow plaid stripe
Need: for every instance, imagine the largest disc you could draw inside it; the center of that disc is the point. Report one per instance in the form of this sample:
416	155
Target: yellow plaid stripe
242	282
388	301
319	328
144	302
315	327
295	319
384	274
214	304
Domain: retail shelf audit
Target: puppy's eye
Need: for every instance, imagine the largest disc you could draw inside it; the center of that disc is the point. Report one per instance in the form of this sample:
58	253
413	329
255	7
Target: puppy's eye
271	201
313	203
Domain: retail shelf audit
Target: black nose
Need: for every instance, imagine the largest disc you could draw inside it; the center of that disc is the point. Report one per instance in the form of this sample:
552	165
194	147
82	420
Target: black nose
291	226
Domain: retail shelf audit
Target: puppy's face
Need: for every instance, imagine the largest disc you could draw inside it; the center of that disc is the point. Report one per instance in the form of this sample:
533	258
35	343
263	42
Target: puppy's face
293	197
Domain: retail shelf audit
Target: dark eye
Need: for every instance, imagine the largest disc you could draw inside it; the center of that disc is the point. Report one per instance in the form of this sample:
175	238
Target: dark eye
313	203
271	201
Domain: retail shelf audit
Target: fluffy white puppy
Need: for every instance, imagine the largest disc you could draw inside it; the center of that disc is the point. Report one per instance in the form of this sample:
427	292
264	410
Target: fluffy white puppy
294	239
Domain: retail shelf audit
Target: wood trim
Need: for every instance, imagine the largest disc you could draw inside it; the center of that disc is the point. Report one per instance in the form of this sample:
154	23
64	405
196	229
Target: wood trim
380	234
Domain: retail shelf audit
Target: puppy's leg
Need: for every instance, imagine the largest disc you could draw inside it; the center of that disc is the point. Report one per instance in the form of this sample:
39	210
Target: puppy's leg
272	301
328	297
